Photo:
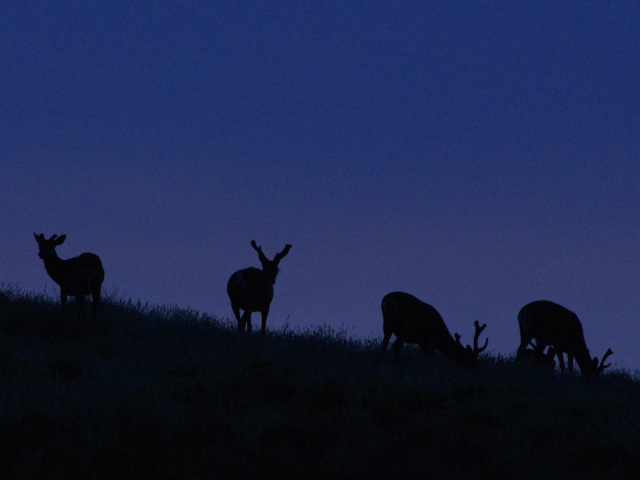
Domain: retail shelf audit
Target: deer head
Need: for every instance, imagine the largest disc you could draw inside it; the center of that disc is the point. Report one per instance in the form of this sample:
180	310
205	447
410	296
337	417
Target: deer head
47	248
598	368
475	351
270	267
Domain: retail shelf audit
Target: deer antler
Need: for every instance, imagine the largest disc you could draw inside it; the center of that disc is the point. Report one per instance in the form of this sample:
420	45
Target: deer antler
282	254
476	351
601	366
479	329
258	249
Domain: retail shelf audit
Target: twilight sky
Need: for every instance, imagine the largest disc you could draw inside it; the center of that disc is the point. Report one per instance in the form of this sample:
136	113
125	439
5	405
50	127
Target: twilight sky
479	155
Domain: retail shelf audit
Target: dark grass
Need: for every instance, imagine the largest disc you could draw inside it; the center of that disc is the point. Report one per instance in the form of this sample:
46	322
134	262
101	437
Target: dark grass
167	393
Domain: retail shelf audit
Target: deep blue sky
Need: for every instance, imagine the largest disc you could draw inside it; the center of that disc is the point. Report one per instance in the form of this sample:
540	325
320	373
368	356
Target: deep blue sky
479	155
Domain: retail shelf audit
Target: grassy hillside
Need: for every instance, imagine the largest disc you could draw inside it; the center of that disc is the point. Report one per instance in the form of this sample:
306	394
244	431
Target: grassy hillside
164	393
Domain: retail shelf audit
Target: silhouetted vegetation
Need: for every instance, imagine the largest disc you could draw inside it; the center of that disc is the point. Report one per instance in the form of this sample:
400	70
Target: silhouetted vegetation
167	393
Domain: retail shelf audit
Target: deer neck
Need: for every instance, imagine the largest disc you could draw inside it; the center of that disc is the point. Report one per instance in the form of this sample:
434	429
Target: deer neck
584	360
452	349
55	267
270	274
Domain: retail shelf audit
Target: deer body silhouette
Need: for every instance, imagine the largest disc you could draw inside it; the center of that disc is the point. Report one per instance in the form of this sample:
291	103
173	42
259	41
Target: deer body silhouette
413	321
77	277
251	289
552	324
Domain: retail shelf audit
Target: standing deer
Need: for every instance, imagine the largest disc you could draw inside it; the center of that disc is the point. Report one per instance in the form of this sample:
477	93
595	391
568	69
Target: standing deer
413	321
78	276
552	324
251	289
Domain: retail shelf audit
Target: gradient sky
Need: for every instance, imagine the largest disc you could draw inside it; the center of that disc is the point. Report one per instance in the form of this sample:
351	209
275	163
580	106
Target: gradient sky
479	155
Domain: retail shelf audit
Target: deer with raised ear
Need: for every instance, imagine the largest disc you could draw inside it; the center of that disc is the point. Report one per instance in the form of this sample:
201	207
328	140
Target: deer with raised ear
251	289
413	321
552	324
77	277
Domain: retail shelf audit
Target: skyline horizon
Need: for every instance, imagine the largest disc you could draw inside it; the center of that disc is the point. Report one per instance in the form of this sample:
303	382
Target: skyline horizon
230	318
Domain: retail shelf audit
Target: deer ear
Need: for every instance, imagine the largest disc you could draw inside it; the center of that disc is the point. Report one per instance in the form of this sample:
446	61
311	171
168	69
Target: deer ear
60	240
37	237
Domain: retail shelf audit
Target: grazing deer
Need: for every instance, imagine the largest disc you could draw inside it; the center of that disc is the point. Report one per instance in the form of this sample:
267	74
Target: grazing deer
413	321
251	289
78	276
552	324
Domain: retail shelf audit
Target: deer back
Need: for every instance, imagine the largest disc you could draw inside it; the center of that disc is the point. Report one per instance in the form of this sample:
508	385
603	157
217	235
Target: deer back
251	289
412	320
83	274
552	324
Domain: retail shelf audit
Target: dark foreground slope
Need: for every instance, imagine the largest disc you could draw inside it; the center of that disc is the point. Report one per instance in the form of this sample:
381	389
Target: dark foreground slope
164	393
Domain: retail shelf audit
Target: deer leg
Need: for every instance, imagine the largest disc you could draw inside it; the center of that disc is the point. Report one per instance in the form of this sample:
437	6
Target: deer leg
246	320
385	341
63	302
236	313
570	362
538	352
397	345
524	343
263	327
561	361
95	301
80	312
427	351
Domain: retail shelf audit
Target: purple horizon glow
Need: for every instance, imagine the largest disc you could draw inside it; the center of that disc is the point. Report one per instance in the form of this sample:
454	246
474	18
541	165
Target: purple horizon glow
476	156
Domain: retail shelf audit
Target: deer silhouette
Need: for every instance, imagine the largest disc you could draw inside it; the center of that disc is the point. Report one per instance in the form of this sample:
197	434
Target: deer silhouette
77	277
552	324
413	321
251	289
